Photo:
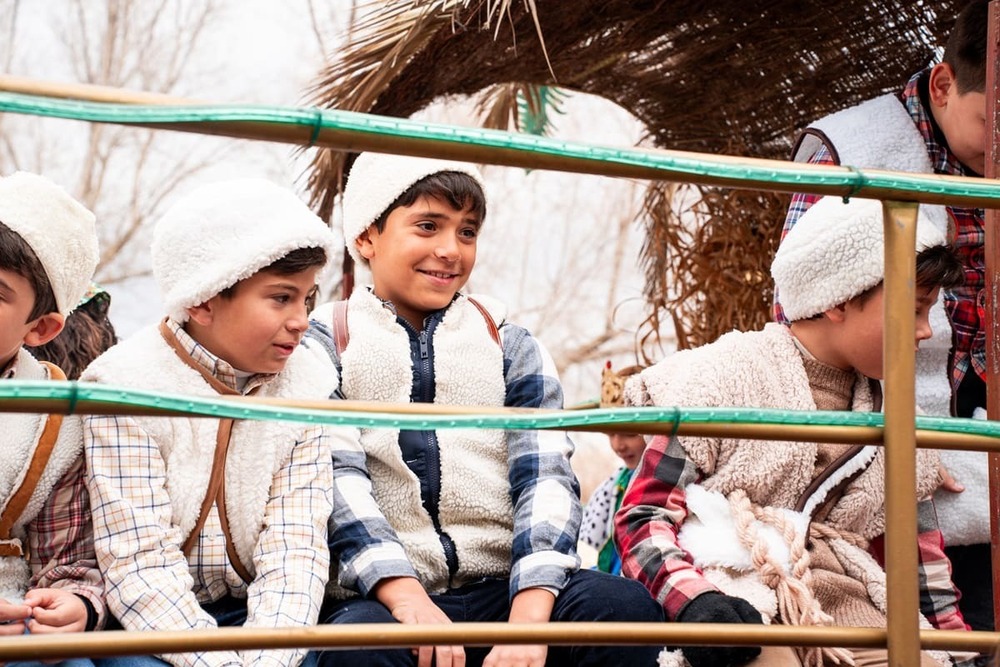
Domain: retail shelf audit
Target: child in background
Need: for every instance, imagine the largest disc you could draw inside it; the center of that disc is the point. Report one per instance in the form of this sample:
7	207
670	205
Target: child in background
49	580
88	334
597	525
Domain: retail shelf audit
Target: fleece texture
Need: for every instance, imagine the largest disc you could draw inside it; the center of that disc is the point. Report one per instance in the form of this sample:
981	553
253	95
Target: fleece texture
59	230
836	251
258	449
474	506
378	179
21	435
225	232
764	369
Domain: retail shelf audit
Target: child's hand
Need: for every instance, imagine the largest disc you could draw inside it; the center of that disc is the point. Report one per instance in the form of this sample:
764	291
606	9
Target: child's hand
55	610
516	656
947	482
13	617
409	604
531	605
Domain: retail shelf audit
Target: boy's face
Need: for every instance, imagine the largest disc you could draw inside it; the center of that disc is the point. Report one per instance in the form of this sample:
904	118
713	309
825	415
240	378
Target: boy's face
423	257
17	299
961	117
861	333
628	447
259	325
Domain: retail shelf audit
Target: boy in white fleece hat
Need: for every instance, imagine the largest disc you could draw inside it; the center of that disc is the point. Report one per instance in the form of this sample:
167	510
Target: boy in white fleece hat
201	522
49	581
451	525
698	506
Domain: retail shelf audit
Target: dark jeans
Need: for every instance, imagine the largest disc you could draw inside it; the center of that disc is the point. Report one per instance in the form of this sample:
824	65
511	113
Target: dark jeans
588	596
228	612
972	571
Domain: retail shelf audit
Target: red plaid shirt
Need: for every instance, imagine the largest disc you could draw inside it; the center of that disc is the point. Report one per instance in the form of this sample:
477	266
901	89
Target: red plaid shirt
655	507
964	304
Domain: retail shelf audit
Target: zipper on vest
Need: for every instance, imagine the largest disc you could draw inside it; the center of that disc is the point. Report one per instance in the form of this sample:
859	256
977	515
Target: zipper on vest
424	354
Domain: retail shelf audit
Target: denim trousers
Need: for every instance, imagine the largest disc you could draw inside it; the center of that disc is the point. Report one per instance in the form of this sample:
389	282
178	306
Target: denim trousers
588	596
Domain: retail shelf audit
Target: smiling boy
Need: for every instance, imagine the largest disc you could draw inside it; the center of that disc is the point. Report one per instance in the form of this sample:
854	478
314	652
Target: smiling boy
451	525
200	522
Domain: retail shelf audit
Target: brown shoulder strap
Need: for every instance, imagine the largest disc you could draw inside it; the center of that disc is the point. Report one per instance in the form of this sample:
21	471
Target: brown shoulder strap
341	334
216	482
490	324
43	452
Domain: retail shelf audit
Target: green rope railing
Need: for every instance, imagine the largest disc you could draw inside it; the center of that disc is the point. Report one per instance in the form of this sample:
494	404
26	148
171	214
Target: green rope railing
356	131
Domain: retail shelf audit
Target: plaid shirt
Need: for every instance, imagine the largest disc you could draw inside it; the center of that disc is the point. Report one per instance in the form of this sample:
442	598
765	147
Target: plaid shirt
964	305
544	537
151	585
655	507
61	538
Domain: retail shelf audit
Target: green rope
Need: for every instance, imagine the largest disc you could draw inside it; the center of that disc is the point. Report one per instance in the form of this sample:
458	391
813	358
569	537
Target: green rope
673	165
14	391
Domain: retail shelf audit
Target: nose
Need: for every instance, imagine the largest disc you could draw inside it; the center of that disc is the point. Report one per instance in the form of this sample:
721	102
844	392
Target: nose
299	321
447	249
924	331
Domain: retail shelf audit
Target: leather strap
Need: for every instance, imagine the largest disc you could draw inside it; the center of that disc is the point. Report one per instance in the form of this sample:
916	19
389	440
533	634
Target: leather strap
216	492
19	500
341	334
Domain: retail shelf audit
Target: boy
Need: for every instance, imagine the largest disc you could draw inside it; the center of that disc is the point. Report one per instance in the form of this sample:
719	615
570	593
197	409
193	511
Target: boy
597	526
469	525
698	522
49	581
199	522
936	125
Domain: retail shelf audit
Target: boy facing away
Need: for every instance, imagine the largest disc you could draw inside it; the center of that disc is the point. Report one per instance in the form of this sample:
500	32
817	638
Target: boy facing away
737	530
201	522
451	525
937	124
49	581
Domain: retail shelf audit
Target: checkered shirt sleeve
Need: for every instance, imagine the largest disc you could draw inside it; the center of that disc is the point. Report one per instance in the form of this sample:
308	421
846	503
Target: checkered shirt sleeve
544	490
646	527
61	542
361	538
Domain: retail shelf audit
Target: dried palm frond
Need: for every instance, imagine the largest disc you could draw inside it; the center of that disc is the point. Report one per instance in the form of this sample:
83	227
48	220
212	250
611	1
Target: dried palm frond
737	78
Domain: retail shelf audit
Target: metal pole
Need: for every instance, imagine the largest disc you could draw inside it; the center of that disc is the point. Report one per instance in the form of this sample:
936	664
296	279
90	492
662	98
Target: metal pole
992	253
899	362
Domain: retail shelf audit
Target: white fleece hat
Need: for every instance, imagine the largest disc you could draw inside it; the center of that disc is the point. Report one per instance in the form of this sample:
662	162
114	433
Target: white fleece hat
59	229
836	252
225	232
378	179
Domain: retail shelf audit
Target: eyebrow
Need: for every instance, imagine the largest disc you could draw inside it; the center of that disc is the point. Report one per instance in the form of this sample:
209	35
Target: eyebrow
433	215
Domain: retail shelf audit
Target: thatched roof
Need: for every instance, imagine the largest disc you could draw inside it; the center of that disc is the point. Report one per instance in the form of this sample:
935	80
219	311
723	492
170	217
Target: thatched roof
736	78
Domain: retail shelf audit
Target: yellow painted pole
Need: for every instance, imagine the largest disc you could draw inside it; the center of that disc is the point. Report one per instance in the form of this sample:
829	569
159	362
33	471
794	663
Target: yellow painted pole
900	440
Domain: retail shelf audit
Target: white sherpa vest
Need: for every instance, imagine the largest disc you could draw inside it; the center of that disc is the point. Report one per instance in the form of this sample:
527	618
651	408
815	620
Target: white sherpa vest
257	449
23	433
474	507
764	369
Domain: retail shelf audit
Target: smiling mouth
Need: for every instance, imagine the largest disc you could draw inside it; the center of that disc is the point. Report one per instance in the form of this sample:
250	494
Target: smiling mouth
440	275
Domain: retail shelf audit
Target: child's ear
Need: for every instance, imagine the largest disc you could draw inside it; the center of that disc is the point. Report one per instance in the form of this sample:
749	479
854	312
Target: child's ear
941	80
364	244
202	313
837	313
44	329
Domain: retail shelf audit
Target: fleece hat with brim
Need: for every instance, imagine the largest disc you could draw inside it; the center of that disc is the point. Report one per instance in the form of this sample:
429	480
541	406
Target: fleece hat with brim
378	179
225	232
59	229
835	252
